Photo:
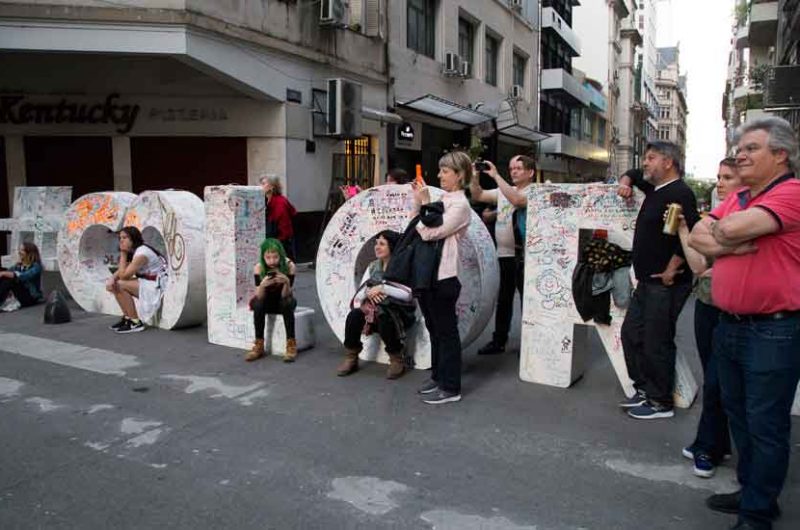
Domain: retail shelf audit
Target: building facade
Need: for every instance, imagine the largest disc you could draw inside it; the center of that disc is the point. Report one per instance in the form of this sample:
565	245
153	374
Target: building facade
764	65
671	92
155	94
463	74
572	104
645	100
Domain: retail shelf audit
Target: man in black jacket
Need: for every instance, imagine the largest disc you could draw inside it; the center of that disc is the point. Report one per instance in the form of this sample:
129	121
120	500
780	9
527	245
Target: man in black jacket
648	332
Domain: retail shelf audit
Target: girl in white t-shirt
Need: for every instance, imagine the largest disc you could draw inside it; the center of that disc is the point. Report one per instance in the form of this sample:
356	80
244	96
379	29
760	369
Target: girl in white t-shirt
138	285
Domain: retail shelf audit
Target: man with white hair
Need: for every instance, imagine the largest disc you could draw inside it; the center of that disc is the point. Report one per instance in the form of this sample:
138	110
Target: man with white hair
755	237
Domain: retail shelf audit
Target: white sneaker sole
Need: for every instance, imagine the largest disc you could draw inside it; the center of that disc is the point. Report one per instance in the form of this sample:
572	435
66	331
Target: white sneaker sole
687	454
703	474
134	330
655	416
427	391
451	399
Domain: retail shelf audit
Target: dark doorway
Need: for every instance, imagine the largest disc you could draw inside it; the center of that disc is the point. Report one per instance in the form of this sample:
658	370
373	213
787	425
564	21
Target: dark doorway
83	162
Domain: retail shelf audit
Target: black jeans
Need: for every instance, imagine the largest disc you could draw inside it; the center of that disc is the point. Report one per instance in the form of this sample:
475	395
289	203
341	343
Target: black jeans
438	306
648	338
21	293
712	430
512	272
272	306
386	328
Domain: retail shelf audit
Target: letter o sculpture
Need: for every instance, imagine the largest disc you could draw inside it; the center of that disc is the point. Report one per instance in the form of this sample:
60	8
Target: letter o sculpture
87	246
174	222
341	261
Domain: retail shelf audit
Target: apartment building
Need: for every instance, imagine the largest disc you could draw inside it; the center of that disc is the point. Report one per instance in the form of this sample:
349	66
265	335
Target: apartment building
764	65
573	107
463	73
645	98
153	94
671	90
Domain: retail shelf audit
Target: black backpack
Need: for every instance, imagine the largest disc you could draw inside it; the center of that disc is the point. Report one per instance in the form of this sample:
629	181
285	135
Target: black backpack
56	310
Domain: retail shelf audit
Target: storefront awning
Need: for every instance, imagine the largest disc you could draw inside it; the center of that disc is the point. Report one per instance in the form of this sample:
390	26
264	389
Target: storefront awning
437	106
521	132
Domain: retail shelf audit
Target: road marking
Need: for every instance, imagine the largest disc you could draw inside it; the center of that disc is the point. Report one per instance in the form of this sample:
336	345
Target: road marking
134	426
452	520
98	408
68	354
148	438
10	387
368	494
200	383
723	482
45	405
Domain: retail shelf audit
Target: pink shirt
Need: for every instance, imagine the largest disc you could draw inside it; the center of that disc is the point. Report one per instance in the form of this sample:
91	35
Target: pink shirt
455	221
768	280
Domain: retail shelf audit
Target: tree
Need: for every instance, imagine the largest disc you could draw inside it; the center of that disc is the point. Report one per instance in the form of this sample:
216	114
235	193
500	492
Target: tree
702	190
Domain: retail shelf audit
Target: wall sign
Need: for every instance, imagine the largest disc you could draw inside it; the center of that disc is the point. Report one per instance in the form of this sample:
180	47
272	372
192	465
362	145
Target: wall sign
409	136
17	111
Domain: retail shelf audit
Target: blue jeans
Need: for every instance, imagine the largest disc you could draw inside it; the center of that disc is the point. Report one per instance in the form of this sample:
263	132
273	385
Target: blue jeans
759	366
712	430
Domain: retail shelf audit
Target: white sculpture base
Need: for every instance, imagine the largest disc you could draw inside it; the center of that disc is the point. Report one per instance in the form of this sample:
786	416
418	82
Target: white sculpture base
275	332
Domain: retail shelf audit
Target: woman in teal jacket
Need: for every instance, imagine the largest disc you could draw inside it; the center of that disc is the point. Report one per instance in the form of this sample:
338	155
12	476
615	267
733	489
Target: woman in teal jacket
25	278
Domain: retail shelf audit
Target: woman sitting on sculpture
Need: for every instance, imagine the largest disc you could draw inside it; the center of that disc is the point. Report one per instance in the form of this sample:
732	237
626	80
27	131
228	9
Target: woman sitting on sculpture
139	282
382	306
274	279
24	280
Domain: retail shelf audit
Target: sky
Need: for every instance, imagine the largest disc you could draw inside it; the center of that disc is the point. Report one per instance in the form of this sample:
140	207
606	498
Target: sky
702	29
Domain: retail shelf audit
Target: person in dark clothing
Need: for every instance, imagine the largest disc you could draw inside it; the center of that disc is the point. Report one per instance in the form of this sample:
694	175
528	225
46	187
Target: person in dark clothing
274	277
279	214
648	332
379	306
24	279
397	175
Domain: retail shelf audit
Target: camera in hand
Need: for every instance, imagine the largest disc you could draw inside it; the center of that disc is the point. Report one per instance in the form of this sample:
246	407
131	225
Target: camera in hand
481	165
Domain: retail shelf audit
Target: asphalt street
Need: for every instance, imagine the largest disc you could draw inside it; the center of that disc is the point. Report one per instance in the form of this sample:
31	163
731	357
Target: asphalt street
164	430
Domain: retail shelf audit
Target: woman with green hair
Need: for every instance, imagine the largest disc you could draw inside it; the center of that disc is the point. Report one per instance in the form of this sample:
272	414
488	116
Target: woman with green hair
274	278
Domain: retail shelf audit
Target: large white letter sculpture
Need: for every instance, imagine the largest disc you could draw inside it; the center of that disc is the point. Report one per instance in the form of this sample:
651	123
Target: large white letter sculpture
342	258
171	221
556	213
38	217
87	247
174	222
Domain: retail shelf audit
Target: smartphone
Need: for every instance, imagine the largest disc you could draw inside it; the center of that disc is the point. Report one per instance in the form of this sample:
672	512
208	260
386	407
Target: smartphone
271	274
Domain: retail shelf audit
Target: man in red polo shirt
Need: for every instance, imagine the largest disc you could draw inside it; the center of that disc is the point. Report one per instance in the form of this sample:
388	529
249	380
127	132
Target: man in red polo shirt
755	236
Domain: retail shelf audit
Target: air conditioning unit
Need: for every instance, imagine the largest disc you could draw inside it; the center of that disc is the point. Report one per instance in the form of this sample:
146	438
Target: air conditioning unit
332	12
464	69
517	91
516	5
452	64
344	108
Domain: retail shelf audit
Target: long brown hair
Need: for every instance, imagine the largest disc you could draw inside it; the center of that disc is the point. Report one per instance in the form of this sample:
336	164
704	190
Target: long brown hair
31	253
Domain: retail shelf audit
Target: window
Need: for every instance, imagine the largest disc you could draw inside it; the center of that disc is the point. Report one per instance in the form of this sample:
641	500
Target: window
575	123
492	48
466	42
601	132
420	26
518	67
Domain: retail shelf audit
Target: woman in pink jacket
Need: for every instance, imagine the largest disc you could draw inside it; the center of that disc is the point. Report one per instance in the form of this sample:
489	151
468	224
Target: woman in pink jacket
438	304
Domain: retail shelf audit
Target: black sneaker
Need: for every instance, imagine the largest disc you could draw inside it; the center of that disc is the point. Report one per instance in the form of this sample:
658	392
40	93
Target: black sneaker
131	327
441	397
492	349
703	466
651	411
115	327
429	387
688	452
637	400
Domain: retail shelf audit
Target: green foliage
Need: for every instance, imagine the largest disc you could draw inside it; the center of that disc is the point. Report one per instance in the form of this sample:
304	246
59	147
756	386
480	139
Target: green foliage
741	12
702	189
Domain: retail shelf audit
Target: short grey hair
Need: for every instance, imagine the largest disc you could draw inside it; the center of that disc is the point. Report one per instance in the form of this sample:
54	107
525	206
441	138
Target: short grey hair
669	150
274	181
781	137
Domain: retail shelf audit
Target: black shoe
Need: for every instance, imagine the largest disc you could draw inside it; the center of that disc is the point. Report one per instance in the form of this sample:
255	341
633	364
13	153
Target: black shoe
441	397
115	327
492	349
429	387
131	327
729	503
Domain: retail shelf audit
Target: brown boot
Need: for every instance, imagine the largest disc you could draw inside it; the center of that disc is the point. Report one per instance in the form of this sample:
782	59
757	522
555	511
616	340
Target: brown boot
396	367
291	351
256	352
349	364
